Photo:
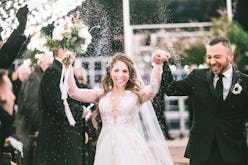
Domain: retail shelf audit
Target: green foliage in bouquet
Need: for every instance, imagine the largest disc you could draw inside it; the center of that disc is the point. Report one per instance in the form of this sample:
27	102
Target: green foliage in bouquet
70	42
30	54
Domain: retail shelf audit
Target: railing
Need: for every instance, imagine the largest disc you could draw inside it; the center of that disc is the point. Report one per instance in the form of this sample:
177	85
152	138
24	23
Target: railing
177	115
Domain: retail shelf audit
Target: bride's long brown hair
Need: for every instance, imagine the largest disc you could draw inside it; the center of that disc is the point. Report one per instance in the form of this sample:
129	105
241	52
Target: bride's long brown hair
133	84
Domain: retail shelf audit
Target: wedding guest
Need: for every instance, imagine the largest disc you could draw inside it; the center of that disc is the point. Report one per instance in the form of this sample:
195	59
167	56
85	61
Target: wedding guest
82	77
17	77
122	140
59	143
1	40
90	132
7	99
219	97
14	43
82	127
28	108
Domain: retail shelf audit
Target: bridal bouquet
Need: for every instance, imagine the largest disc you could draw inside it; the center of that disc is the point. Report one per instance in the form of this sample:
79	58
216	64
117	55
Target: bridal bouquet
71	35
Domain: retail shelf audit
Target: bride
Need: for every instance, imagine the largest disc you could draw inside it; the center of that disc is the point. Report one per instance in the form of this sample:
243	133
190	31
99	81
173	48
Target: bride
130	134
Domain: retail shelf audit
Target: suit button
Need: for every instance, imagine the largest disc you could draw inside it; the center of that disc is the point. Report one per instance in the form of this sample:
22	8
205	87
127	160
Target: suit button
225	133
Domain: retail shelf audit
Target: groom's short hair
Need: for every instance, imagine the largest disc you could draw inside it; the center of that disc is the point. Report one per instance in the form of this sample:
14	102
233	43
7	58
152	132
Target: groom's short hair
220	39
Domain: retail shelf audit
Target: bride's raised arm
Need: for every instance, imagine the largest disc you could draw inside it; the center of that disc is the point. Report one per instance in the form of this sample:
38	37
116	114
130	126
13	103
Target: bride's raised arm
80	94
150	91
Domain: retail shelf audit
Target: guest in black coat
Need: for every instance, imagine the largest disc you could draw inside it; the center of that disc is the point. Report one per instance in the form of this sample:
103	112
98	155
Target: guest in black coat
14	43
27	116
7	100
59	143
218	132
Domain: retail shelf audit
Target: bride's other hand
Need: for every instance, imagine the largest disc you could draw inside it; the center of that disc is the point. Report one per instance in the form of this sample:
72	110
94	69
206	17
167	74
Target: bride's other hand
160	56
12	163
86	113
86	136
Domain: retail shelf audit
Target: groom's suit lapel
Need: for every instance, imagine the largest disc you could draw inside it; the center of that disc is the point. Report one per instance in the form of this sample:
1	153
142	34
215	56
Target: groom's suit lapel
210	81
235	79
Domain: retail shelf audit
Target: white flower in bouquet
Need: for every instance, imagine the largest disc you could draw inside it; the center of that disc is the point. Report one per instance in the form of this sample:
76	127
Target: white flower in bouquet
84	33
58	33
36	48
37	42
40	55
27	62
63	27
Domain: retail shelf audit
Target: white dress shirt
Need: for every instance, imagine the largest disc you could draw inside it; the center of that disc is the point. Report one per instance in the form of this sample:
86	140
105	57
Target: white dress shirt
227	81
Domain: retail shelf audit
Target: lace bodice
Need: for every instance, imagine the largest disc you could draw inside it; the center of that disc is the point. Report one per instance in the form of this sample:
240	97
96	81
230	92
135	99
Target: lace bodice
125	112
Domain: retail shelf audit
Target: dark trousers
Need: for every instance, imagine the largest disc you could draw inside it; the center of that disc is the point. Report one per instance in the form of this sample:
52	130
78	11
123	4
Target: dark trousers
215	158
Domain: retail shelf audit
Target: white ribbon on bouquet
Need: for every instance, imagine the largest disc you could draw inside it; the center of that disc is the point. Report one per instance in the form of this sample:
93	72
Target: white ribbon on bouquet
64	95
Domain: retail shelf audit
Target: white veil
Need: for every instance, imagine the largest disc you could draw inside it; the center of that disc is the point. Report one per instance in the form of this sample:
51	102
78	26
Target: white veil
149	127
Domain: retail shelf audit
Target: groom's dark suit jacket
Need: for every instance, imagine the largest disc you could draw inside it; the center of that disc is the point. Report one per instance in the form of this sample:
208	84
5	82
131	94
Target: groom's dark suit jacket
58	142
212	119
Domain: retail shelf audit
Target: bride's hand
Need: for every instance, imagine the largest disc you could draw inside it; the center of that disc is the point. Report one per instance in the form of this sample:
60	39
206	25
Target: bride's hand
12	163
86	138
86	113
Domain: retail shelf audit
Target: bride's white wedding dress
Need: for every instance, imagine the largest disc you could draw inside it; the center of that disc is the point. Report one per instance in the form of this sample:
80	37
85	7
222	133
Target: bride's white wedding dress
130	133
119	142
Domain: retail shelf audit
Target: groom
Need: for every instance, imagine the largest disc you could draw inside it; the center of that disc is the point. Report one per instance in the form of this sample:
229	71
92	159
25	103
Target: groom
220	106
59	143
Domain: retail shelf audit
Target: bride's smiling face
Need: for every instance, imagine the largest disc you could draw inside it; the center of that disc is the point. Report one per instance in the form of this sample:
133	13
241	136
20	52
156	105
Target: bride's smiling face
119	74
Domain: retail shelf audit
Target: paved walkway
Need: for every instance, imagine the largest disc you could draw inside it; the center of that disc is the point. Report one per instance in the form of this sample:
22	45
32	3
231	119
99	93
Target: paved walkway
177	149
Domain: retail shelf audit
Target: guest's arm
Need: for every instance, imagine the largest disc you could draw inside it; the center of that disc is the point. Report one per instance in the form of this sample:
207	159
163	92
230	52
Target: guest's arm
14	43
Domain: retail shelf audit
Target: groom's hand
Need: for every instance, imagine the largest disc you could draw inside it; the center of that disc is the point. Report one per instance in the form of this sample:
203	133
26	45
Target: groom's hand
160	56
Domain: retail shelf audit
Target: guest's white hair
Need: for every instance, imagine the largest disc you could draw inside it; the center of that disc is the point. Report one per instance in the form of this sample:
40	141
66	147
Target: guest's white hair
44	57
81	74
